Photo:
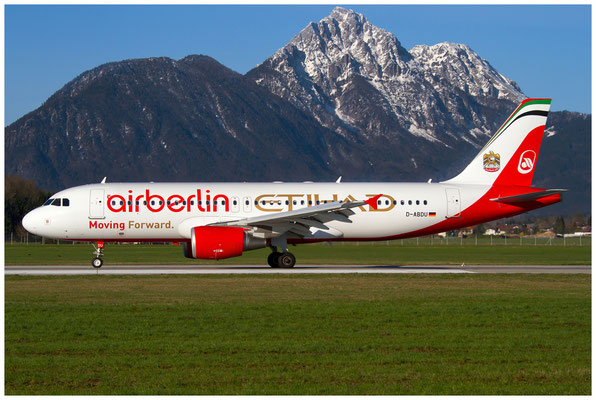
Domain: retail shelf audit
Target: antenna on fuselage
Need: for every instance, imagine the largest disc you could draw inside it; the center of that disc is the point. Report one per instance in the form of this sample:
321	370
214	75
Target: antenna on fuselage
338	180
103	181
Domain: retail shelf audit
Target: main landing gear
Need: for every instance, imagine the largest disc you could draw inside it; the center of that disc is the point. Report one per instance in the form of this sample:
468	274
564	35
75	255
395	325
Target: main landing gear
97	262
281	260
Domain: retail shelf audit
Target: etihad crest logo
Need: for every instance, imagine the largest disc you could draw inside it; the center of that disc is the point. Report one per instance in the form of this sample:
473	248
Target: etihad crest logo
491	162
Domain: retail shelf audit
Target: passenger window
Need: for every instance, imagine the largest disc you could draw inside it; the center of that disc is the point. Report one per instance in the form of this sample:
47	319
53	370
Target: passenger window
65	202
417	202
402	202
56	202
409	202
424	202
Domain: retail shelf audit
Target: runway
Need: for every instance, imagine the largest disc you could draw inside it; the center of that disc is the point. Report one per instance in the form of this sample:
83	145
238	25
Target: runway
310	269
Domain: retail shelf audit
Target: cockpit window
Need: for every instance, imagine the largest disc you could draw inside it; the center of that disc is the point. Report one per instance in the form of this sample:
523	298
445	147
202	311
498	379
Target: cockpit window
57	202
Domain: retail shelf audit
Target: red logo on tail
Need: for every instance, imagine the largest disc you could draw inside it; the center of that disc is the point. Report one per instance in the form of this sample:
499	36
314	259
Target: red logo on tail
526	162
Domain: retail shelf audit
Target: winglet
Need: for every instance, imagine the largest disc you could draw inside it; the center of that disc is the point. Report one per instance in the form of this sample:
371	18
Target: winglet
373	201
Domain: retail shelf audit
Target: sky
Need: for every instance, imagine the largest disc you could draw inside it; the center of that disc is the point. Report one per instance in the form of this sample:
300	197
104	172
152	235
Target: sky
546	49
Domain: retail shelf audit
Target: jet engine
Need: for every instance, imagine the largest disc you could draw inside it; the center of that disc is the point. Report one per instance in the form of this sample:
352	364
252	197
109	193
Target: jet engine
218	242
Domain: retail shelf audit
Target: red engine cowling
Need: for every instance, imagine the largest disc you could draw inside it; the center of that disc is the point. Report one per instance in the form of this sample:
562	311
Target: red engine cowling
218	242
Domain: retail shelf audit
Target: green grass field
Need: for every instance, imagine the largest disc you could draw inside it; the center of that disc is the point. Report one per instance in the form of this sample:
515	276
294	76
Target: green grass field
308	334
368	253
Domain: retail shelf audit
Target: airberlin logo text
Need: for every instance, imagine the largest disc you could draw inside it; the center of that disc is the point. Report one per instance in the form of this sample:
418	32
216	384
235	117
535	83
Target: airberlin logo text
174	203
206	202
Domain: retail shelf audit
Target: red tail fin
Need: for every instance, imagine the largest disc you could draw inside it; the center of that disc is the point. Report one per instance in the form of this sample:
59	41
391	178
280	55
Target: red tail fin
509	157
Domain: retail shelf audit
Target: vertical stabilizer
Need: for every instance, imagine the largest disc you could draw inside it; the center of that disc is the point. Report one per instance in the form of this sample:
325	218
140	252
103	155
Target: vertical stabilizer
509	157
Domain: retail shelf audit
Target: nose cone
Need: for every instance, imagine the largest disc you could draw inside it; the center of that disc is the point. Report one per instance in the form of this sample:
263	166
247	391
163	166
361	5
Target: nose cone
32	222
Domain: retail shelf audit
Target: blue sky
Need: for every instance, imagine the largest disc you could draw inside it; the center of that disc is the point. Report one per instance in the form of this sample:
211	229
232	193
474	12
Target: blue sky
546	49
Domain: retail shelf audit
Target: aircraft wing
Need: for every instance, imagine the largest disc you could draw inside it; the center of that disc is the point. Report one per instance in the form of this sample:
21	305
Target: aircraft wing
521	198
300	221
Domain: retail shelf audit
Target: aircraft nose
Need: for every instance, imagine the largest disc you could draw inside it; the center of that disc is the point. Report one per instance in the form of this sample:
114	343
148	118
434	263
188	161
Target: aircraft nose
31	222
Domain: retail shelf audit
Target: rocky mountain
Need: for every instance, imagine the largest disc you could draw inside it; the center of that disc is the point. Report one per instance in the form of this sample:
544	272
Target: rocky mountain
565	161
343	97
358	80
160	119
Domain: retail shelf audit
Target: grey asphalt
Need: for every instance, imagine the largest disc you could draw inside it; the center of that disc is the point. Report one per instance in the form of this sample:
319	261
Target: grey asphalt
308	269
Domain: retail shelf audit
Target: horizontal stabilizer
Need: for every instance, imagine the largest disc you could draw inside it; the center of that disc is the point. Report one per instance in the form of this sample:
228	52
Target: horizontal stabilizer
521	198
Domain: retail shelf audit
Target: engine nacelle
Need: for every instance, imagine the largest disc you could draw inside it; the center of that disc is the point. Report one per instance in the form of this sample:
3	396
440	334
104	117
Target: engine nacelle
218	242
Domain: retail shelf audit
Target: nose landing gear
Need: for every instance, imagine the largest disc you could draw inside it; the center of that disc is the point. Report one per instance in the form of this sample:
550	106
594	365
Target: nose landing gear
97	262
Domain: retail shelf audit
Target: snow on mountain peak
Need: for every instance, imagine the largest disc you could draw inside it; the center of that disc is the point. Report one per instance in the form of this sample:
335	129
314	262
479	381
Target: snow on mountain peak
461	66
340	13
346	43
343	68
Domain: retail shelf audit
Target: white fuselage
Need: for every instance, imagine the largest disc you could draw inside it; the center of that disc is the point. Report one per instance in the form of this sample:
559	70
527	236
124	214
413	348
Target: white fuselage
168	211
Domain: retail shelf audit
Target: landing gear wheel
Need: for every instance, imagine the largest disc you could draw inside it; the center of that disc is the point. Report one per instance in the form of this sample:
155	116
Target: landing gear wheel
97	262
272	260
286	260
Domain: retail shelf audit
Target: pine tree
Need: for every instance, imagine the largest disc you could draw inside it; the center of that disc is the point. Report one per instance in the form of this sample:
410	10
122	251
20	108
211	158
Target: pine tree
560	226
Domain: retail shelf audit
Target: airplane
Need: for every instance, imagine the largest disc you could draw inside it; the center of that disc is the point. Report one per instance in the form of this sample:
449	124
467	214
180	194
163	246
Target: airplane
222	220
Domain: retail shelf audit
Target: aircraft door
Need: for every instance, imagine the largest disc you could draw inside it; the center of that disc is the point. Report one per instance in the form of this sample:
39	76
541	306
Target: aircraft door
453	203
96	203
